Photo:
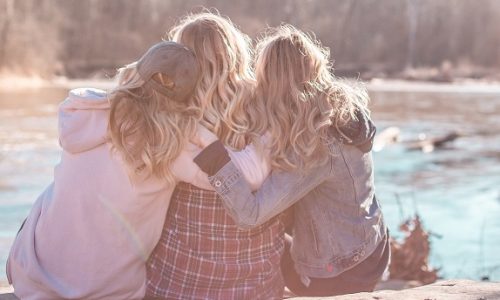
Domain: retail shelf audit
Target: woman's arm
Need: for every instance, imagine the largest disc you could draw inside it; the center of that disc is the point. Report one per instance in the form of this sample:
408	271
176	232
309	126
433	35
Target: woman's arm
281	189
278	192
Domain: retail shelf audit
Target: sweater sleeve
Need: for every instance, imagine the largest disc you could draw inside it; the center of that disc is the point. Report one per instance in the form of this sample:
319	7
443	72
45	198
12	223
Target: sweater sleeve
184	169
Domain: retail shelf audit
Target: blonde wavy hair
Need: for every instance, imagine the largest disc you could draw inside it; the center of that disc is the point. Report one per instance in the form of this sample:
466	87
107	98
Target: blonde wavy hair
300	98
146	128
223	92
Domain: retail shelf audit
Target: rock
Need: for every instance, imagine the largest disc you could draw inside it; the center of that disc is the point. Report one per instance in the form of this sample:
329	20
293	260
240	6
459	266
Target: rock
397	284
8	296
441	290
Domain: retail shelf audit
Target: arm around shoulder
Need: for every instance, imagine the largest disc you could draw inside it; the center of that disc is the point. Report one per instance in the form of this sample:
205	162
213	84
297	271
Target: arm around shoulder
279	191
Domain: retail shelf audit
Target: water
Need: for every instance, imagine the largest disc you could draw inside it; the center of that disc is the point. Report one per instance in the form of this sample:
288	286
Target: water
455	190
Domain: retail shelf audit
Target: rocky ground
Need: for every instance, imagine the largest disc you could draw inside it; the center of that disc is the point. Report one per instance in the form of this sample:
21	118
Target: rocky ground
455	289
442	290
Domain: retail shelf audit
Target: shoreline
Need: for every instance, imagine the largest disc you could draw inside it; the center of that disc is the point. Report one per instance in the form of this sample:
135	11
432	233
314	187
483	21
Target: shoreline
14	84
401	85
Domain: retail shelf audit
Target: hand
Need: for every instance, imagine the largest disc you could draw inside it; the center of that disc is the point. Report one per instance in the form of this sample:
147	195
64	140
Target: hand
203	137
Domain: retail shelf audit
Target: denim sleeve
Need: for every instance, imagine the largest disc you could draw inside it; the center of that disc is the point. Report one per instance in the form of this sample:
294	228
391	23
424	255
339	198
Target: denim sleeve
278	192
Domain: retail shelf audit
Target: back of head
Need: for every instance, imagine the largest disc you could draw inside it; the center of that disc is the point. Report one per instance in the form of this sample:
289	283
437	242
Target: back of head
224	56
297	91
151	116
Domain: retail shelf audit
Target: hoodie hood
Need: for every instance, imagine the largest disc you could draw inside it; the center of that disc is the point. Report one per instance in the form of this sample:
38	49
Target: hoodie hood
83	120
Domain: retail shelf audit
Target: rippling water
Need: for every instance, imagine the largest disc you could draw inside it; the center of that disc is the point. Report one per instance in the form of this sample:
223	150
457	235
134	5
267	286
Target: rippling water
455	190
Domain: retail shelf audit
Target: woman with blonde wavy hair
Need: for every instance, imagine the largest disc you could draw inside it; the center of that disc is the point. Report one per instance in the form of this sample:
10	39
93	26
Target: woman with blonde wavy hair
90	232
320	141
224	57
202	254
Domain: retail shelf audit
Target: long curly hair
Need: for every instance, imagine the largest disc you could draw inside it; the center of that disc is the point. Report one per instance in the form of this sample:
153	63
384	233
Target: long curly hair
146	128
227	81
300	98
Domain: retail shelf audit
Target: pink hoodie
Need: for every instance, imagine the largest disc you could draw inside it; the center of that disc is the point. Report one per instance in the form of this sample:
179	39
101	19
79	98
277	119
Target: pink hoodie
90	232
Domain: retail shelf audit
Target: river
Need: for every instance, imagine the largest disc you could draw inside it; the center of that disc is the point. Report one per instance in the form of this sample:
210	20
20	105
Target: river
455	189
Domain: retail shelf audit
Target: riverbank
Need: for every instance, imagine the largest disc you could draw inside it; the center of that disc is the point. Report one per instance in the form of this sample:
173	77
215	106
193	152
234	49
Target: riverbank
456	289
468	86
13	83
18	83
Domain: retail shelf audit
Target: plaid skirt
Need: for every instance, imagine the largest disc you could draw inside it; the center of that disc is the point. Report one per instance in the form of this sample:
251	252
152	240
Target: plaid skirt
203	255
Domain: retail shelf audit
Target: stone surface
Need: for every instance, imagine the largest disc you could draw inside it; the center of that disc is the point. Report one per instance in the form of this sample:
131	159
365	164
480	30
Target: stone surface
442	290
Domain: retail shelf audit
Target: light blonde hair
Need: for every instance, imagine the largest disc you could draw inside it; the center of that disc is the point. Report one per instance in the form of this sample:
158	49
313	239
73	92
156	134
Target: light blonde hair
224	55
146	128
300	97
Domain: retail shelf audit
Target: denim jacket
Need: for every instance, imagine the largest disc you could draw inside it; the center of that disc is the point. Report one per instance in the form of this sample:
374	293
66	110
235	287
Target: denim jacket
338	221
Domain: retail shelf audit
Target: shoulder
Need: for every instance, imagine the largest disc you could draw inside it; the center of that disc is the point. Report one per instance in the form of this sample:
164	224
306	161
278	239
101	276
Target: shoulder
85	98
